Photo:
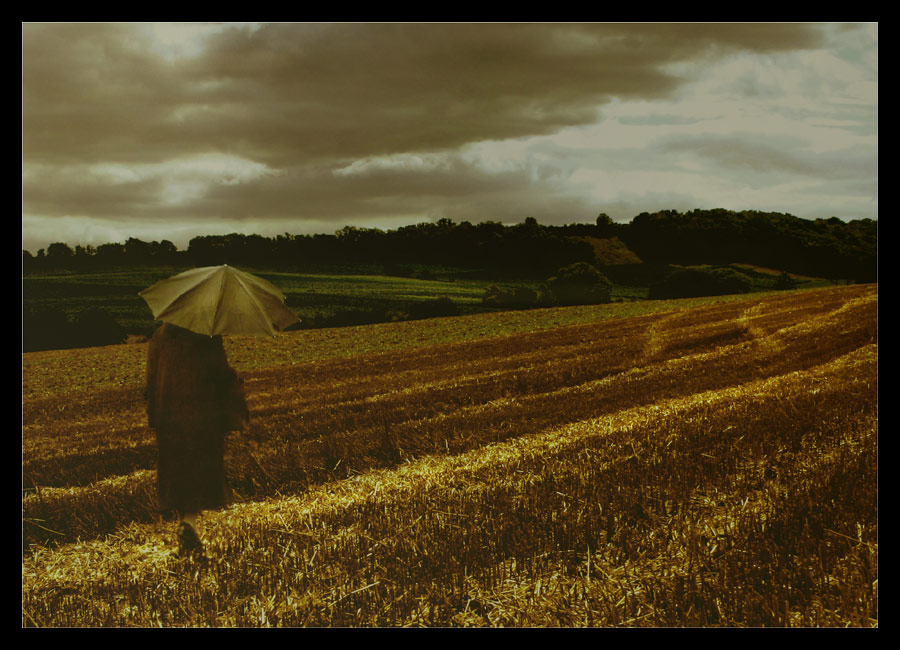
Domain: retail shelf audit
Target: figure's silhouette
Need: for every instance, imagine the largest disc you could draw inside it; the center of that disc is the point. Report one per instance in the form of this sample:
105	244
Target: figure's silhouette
194	398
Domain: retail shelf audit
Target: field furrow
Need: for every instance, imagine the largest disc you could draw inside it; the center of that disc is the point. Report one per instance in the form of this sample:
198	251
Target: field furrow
746	504
324	426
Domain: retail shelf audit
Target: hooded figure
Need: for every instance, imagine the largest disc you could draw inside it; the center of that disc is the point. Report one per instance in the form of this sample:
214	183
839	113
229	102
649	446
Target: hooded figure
193	399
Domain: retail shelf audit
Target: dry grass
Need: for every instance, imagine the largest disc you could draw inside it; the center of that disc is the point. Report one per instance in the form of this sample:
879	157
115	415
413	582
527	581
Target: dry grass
714	466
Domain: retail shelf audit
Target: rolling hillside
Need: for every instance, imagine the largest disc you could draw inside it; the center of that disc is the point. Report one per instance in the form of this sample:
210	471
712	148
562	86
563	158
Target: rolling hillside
701	465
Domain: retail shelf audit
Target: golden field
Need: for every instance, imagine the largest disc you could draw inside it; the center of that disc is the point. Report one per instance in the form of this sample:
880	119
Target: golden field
711	465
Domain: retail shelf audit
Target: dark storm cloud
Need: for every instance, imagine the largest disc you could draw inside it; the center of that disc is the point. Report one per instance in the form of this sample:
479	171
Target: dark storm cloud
305	121
292	92
95	92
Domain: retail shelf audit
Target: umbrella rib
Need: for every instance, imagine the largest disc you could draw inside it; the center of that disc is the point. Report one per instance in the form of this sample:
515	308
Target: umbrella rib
215	318
260	311
173	304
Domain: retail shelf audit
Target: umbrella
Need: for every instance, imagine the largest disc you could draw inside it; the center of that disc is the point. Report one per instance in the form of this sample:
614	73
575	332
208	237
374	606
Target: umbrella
219	300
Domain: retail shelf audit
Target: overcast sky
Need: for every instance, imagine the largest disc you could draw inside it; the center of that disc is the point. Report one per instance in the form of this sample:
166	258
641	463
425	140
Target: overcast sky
167	131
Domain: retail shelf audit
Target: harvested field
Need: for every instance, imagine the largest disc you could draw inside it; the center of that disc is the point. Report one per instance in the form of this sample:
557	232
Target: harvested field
713	465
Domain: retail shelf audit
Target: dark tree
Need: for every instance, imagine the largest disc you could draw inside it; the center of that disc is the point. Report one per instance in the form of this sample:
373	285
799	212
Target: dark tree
207	251
514	298
59	254
163	252
580	283
606	227
693	282
137	251
829	248
111	254
785	281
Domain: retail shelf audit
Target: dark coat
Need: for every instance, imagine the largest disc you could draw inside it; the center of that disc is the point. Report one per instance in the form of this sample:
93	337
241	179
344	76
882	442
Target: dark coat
193	399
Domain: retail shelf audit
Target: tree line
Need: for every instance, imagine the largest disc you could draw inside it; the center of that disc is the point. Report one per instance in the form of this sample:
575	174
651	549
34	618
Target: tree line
829	248
523	247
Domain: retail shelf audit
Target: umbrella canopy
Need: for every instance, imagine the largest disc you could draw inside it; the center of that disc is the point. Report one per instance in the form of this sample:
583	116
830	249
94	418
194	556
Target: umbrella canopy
219	300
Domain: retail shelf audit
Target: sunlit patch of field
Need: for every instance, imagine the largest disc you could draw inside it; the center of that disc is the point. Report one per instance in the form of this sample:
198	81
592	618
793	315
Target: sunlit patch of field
711	465
122	366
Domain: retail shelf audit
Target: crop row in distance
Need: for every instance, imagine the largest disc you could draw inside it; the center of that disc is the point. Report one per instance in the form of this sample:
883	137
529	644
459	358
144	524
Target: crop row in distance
58	372
85	418
752	504
302	441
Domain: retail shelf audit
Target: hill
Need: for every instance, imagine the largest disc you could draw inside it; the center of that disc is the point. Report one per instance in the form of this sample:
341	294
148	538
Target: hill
610	251
828	248
702	465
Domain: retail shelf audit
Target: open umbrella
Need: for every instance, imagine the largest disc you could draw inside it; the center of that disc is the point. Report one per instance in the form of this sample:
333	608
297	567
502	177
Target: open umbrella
219	300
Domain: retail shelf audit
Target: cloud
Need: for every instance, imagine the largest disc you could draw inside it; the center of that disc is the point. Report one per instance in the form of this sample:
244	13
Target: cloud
114	189
658	120
753	154
212	126
283	93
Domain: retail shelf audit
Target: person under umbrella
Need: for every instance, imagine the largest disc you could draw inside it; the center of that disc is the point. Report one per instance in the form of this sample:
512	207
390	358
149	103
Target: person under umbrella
194	397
